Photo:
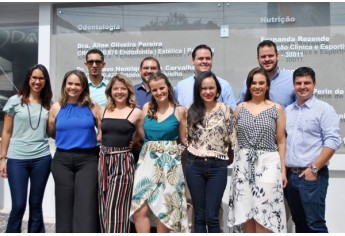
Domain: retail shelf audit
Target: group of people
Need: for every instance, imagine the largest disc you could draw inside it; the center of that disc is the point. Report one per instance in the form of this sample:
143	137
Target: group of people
119	148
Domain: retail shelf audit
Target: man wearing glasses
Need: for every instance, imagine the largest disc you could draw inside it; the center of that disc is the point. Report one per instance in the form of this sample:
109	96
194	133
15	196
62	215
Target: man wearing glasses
97	83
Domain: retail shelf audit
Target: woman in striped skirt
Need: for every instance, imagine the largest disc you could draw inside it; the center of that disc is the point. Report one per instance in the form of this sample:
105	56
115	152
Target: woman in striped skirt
120	124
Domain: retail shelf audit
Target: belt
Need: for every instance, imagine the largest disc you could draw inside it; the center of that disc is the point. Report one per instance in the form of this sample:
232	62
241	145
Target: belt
205	158
119	151
202	158
296	170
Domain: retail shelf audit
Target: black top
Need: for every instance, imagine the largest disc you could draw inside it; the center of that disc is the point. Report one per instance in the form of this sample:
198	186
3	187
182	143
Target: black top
117	132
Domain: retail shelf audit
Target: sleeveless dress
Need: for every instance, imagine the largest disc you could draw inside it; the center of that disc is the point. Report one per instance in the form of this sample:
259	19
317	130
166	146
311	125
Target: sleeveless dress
256	190
115	174
159	177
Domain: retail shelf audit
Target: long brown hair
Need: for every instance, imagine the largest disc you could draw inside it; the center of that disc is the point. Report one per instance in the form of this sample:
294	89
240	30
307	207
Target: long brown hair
153	106
46	93
84	98
256	70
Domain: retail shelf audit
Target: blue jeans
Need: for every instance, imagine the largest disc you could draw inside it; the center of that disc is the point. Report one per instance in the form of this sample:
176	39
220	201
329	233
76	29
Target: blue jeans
306	200
206	180
19	172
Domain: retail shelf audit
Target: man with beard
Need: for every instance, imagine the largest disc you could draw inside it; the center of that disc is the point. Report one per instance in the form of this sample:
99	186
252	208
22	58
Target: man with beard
97	83
281	89
148	66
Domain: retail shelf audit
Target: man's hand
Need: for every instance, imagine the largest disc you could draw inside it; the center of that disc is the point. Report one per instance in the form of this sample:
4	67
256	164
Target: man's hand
308	175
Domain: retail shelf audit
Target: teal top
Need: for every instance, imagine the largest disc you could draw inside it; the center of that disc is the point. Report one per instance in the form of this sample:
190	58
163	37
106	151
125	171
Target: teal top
25	142
97	93
164	130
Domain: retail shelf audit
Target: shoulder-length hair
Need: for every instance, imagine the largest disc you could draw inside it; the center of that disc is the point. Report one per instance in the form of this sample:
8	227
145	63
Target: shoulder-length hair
257	70
153	106
84	98
196	112
46	93
130	101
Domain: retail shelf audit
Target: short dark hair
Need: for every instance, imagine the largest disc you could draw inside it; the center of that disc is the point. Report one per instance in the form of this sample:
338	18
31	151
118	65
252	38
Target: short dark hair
94	51
201	46
267	43
304	71
150	58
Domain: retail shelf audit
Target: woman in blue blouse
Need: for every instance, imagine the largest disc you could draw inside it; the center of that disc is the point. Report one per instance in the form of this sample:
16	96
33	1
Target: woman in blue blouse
72	122
25	147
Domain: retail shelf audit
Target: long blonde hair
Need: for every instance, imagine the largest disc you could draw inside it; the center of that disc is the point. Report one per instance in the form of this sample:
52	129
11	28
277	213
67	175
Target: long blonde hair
130	101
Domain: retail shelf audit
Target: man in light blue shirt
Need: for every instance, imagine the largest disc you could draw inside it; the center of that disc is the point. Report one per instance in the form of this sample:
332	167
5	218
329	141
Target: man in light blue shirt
281	86
97	83
313	136
202	60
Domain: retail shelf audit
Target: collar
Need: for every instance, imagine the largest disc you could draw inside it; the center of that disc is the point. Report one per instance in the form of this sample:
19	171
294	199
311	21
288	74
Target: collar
194	76
308	103
276	75
100	84
142	87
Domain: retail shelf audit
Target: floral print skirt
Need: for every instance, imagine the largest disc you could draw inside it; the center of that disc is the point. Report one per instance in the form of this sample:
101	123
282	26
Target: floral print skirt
160	182
257	193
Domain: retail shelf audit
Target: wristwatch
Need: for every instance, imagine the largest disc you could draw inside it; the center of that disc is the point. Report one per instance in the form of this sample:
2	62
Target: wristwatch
314	169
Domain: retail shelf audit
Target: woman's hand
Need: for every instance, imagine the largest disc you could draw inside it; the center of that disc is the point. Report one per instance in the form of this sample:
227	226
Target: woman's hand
3	168
284	178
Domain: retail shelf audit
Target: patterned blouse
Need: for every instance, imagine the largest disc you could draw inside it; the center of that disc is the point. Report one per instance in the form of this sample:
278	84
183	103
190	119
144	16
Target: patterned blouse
213	137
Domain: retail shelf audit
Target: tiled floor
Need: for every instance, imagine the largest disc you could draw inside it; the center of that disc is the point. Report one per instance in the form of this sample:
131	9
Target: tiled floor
50	227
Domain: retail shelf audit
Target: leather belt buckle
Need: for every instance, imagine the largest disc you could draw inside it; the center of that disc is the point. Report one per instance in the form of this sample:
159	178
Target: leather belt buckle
297	170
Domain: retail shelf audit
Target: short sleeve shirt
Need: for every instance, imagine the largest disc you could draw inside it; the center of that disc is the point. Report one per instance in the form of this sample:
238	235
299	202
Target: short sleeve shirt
26	142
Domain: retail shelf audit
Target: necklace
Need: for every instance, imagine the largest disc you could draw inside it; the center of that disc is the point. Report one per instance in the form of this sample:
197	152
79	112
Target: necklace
39	118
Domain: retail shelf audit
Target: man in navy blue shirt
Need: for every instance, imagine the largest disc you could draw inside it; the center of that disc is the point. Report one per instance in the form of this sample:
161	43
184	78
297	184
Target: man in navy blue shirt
148	66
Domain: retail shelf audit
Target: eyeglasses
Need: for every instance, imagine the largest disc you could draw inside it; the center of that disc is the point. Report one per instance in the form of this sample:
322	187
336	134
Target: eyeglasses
34	78
91	62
